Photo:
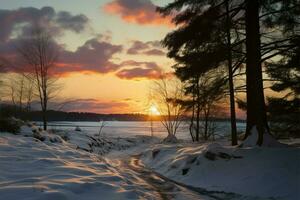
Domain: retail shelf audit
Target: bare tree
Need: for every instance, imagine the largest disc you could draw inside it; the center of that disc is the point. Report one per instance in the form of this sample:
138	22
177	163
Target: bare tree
40	55
205	92
18	87
2	69
29	91
167	95
102	125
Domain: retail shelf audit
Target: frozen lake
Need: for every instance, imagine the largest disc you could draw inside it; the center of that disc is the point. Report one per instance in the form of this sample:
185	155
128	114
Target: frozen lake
132	128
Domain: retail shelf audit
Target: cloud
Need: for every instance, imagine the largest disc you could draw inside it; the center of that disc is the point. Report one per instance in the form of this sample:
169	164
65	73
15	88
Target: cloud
133	63
85	105
137	73
76	23
95	105
96	55
137	47
141	12
23	19
139	70
155	52
93	56
152	48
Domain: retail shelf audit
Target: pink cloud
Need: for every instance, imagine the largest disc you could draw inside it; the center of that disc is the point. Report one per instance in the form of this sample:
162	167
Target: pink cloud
141	12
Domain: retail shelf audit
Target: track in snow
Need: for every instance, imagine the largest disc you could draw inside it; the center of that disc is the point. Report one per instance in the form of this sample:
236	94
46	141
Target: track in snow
155	186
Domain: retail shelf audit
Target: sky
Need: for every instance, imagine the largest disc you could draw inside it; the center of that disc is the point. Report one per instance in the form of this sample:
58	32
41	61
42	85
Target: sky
109	49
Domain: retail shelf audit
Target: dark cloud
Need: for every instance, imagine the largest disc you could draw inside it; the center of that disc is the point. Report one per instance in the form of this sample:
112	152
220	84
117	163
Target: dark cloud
132	63
148	48
137	11
155	52
137	47
85	105
93	56
137	73
139	70
23	19
76	23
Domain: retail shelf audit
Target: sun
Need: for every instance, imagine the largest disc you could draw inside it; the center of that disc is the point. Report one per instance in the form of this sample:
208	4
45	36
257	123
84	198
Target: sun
153	110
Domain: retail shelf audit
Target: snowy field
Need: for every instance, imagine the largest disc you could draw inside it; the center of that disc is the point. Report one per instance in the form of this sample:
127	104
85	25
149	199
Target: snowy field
67	165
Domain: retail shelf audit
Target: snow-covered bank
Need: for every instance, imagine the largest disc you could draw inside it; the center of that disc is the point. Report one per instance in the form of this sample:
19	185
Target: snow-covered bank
262	172
41	165
31	169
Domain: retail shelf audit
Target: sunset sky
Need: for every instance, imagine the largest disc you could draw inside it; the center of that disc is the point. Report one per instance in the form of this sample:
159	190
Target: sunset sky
109	49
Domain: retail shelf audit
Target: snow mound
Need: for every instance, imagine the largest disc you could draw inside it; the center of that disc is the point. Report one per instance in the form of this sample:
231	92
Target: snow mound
31	130
214	147
103	145
268	140
170	139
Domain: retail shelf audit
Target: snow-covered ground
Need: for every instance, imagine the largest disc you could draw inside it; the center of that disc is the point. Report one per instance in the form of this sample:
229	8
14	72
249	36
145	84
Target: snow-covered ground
59	169
79	165
252	171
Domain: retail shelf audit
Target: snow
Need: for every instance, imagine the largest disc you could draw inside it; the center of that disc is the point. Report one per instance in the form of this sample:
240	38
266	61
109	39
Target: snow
59	165
259	171
268	140
42	165
170	139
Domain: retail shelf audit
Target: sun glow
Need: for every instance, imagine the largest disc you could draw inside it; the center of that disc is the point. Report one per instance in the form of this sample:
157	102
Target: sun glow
153	110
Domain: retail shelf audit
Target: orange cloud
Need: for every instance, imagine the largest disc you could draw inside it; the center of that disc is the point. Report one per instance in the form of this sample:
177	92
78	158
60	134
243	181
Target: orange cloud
141	12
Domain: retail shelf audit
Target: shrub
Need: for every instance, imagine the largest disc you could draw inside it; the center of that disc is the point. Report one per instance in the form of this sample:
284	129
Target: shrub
9	125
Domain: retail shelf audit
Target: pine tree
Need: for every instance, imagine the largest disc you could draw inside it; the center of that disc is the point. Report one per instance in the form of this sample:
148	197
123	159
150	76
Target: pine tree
205	40
256	109
271	25
285	111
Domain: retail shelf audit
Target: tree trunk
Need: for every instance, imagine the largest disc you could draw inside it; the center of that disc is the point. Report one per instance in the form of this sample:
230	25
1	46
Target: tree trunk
45	112
198	111
256	109
44	120
206	126
192	120
197	122
151	126
230	79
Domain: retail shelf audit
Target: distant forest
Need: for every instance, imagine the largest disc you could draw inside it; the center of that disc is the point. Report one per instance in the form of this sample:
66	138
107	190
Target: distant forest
54	115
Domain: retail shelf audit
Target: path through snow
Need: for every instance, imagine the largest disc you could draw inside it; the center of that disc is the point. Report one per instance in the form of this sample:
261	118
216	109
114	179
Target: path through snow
160	187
